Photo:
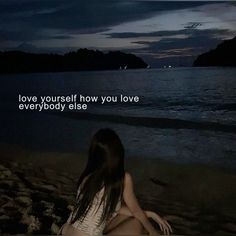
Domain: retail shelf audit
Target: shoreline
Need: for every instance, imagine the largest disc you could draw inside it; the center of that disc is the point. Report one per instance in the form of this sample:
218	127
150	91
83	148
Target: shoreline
37	187
175	175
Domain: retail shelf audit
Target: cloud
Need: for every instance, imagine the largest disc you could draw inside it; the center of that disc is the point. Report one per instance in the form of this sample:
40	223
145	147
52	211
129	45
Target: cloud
79	15
152	29
76	23
177	50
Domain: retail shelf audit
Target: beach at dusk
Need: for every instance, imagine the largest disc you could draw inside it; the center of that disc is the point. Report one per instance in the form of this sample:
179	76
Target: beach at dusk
160	74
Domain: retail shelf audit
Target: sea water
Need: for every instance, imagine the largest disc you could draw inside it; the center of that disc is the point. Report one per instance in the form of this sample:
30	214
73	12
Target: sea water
184	115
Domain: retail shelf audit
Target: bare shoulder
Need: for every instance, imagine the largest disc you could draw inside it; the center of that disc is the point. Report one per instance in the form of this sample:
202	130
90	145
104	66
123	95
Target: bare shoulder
127	175
128	178
128	186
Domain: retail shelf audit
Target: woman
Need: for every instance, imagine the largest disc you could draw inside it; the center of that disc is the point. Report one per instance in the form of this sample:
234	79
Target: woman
105	202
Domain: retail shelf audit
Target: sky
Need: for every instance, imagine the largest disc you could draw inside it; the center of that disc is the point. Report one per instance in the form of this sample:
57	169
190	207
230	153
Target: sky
161	32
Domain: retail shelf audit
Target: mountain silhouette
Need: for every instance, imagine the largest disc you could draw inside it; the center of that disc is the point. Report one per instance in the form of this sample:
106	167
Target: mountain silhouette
223	55
82	59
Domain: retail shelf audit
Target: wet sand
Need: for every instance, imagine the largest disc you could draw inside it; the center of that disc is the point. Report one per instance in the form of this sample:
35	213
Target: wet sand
37	187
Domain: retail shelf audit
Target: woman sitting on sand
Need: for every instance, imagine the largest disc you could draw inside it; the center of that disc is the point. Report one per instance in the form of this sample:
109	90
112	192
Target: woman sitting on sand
105	202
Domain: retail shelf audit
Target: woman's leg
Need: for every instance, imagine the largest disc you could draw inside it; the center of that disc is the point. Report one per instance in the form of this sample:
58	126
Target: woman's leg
124	225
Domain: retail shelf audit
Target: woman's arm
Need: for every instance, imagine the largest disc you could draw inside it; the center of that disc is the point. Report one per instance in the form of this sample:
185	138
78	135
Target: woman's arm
133	205
163	224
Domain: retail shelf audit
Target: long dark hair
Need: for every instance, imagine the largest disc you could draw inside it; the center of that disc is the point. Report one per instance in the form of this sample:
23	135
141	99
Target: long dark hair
104	169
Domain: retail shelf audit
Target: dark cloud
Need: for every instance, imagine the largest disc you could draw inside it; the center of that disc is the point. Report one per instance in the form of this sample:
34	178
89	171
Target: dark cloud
23	36
195	39
26	21
79	15
179	49
161	33
30	20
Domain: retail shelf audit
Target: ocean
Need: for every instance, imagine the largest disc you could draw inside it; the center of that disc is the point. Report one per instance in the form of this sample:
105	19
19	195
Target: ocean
184	115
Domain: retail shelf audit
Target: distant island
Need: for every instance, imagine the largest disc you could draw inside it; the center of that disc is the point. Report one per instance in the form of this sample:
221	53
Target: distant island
80	60
223	55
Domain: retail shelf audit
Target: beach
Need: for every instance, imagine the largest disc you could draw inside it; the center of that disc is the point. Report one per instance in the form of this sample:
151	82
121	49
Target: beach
160	74
179	142
37	188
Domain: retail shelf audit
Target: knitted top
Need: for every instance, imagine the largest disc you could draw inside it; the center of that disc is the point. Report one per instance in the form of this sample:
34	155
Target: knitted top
90	224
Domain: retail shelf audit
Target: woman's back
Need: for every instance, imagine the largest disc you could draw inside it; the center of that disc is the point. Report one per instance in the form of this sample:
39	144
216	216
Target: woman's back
90	225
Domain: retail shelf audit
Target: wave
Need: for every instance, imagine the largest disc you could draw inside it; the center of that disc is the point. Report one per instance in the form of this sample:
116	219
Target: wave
189	105
228	106
153	122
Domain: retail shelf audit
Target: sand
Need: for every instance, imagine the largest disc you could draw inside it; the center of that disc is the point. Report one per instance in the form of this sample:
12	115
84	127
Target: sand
37	187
